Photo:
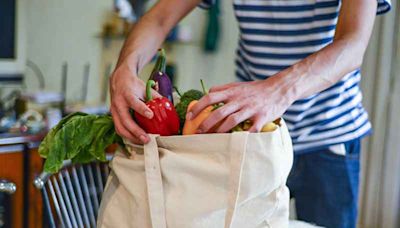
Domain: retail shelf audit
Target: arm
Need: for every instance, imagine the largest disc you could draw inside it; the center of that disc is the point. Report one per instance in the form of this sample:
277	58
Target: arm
264	101
126	89
343	55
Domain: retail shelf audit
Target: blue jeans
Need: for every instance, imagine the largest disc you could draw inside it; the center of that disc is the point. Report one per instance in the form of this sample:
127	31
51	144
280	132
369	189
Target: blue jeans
325	186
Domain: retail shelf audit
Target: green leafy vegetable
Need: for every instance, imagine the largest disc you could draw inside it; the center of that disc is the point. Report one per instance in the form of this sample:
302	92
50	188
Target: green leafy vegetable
186	98
79	137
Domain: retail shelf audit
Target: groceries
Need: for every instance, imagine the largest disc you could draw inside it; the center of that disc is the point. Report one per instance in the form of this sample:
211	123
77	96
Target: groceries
82	138
191	126
79	137
268	127
165	120
164	85
185	100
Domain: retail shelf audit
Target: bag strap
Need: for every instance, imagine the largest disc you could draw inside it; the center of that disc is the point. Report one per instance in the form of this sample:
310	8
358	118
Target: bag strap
238	144
155	190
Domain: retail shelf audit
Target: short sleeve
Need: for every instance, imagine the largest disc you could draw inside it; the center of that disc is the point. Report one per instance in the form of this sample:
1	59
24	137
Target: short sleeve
206	4
383	6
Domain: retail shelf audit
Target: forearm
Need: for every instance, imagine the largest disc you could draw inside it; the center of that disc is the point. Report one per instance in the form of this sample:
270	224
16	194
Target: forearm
150	31
321	70
326	67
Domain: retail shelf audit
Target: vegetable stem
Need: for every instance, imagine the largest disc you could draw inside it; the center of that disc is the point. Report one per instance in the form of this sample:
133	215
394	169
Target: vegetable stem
162	61
150	84
160	65
177	91
203	87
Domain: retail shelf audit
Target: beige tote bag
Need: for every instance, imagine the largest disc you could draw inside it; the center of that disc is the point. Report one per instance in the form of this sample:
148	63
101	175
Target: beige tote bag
235	180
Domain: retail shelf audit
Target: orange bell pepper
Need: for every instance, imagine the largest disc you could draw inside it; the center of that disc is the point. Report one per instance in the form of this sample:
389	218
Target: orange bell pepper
192	125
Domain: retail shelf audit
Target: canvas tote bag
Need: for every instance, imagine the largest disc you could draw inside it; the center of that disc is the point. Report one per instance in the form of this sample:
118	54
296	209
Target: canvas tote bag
235	180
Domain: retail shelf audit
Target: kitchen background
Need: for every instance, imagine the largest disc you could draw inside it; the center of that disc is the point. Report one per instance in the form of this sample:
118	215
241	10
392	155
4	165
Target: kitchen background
82	38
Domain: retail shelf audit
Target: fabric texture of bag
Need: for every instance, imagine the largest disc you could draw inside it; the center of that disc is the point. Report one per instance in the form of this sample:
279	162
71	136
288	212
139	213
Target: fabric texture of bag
235	180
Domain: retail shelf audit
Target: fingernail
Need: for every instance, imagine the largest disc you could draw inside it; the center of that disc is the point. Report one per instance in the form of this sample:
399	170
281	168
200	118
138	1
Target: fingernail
148	114
143	138
189	116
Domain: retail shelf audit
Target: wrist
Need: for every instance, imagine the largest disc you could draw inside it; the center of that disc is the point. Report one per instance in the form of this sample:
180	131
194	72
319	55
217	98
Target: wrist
130	62
285	86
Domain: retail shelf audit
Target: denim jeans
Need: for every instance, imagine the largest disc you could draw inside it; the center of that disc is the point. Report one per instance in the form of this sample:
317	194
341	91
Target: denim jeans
325	186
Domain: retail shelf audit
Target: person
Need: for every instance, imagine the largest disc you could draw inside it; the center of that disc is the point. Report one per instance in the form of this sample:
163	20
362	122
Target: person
298	59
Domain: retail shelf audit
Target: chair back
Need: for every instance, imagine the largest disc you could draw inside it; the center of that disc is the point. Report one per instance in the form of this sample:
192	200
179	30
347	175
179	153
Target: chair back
72	196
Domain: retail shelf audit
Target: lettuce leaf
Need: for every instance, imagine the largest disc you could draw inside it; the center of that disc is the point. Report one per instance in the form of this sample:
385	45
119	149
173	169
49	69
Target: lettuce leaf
79	137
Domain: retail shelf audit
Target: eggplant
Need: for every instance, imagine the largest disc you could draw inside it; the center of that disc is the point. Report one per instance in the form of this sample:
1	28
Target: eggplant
164	85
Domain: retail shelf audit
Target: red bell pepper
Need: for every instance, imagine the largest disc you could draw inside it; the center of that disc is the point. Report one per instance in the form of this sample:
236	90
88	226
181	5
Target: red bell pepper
165	120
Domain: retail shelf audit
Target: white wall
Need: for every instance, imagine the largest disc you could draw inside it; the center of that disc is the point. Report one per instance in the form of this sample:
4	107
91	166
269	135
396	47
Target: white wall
59	31
194	63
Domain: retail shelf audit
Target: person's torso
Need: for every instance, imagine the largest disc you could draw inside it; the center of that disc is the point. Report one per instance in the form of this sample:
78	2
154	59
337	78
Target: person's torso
275	34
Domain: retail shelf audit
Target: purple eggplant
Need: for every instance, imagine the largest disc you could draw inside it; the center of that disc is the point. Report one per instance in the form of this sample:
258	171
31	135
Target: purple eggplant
161	78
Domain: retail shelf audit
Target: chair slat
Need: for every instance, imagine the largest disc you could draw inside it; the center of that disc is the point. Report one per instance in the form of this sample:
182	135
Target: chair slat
100	186
81	201
64	213
47	207
92	189
67	200
56	204
72	196
86	195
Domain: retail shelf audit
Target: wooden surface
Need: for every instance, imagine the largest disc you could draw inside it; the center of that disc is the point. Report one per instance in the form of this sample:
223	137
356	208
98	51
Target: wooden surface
35	205
12	169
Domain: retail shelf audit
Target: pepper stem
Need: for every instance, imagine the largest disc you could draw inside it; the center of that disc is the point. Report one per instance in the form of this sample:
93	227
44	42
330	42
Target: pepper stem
163	61
149	85
203	87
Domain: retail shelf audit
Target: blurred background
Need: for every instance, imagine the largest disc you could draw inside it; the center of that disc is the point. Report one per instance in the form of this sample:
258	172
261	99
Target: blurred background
56	58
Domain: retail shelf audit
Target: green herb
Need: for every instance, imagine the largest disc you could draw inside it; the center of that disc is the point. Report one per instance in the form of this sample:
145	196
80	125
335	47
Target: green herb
79	137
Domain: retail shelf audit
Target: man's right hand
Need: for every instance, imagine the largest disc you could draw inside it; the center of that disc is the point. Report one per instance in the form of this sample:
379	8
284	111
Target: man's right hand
126	89
128	92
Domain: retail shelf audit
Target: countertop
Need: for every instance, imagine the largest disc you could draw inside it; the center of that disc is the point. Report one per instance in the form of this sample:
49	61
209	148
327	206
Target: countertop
20	138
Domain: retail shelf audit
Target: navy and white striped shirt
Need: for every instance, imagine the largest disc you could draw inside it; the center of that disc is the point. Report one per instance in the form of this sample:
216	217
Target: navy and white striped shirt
275	34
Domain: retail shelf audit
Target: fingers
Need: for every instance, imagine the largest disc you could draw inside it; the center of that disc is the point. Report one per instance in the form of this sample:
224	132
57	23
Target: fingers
138	106
207	100
234	120
121	130
127	123
223	87
258	123
217	116
155	94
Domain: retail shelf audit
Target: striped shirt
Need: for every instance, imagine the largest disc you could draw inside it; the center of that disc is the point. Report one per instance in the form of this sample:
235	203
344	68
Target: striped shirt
275	34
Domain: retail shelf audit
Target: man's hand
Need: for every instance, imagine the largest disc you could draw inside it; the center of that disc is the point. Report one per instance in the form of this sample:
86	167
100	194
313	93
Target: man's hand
126	89
259	101
128	92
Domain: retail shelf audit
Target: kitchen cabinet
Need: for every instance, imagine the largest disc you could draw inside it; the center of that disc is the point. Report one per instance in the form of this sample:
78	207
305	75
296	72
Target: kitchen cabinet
12	170
35	205
20	163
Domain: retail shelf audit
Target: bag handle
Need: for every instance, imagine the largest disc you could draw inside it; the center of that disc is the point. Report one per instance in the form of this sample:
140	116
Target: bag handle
238	144
155	191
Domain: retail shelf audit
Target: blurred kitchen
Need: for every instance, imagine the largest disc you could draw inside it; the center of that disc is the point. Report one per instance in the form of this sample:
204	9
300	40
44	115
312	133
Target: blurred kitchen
56	58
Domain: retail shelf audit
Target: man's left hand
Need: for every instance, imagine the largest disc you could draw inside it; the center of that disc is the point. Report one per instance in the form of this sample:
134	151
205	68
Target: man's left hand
258	101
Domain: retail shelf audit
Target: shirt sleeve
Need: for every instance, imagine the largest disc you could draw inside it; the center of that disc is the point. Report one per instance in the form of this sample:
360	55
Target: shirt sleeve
206	4
383	6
